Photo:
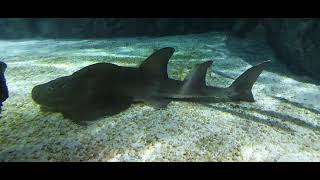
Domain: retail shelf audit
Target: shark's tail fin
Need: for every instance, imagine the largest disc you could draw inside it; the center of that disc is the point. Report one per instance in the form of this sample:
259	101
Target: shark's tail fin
243	84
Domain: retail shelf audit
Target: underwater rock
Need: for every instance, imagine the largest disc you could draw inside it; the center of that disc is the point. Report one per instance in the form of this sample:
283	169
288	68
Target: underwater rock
108	27
244	26
4	94
12	28
296	42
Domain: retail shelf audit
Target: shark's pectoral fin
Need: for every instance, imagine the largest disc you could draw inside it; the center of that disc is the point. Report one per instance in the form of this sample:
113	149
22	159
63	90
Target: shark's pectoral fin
196	79
98	109
157	103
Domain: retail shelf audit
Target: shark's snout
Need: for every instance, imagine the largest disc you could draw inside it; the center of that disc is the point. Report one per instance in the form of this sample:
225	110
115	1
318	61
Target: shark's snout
41	94
36	95
52	94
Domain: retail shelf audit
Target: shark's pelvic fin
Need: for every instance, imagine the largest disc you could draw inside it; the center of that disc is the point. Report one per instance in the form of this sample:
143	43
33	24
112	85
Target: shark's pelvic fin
196	79
243	84
156	63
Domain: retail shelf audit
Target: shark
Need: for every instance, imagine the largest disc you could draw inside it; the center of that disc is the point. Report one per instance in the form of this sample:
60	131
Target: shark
106	89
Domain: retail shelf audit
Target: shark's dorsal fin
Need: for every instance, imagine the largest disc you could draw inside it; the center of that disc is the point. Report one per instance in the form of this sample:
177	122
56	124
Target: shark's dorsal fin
243	84
197	77
156	63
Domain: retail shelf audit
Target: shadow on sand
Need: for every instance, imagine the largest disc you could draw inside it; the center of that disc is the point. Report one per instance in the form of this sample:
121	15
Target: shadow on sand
247	116
244	113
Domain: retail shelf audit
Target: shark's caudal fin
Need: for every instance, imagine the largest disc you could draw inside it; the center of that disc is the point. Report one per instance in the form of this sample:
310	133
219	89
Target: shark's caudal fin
243	84
196	79
156	63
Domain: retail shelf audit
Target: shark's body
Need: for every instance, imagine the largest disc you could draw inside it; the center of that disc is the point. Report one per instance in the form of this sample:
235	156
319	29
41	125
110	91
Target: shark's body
106	89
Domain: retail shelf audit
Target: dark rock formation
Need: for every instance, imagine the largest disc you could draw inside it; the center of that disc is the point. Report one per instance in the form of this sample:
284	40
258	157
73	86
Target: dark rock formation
296	42
108	27
245	25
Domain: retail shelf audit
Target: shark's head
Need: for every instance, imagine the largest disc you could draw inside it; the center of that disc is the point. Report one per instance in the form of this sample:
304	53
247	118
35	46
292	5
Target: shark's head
53	94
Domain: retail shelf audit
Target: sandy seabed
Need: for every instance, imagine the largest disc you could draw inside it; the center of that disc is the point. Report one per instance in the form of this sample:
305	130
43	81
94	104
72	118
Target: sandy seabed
282	125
